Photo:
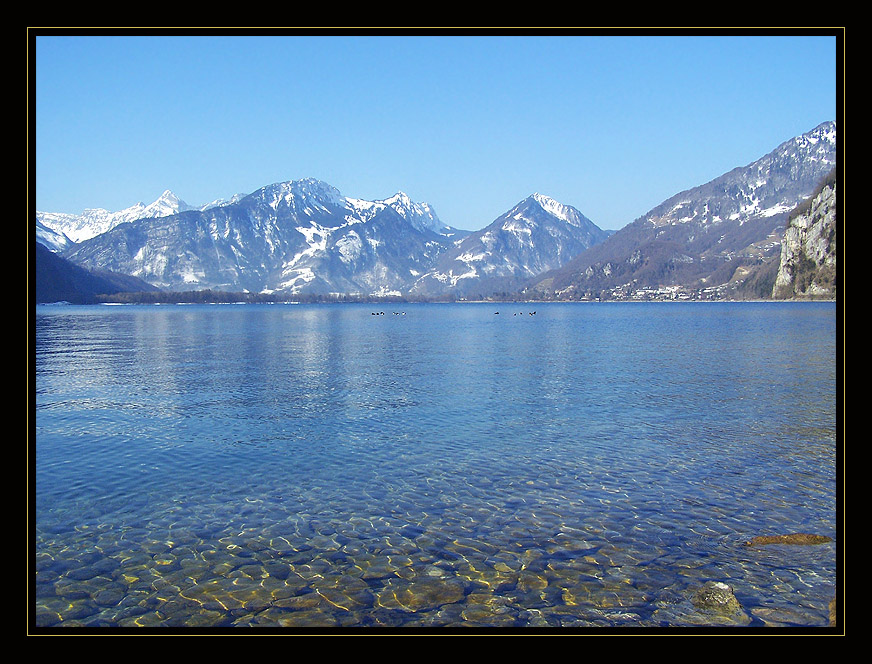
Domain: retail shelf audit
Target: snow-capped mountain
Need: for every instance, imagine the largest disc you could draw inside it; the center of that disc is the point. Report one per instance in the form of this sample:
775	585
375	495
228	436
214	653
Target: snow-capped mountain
420	215
222	201
536	235
771	186
298	236
304	236
94	221
53	240
708	235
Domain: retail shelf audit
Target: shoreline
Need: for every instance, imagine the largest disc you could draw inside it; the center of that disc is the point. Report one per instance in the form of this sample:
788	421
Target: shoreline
110	303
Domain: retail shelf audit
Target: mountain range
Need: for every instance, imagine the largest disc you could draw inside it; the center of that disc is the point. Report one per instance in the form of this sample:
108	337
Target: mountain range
94	221
304	237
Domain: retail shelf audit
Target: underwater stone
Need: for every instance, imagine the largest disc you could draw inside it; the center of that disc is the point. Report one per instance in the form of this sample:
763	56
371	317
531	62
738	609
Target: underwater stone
277	570
205	619
150	619
785	616
46	617
311	618
421	594
83	573
712	604
70	589
310	600
794	538
110	595
528	582
478	614
717	597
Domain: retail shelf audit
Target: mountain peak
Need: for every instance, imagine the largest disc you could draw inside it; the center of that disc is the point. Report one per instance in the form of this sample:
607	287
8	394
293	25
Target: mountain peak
167	204
548	205
401	202
94	221
547	202
316	188
301	194
420	215
400	196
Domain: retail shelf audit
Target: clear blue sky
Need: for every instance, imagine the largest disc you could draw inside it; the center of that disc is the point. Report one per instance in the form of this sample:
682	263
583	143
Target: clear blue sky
612	125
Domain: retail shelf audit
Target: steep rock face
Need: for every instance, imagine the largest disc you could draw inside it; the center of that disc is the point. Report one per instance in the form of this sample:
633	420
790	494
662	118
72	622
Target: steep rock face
808	250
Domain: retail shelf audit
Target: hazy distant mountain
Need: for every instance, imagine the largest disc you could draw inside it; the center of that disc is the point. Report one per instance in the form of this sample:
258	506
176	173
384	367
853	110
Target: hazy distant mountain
94	221
221	201
699	238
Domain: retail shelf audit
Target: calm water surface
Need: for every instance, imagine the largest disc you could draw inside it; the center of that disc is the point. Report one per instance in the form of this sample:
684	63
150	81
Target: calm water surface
438	465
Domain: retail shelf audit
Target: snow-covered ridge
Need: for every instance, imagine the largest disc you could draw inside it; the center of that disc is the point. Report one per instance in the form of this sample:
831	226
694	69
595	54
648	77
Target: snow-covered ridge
766	188
307	195
420	215
219	202
51	239
94	221
554	208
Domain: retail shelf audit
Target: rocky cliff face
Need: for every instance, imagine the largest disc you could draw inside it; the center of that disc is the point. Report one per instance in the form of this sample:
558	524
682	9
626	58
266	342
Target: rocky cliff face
808	250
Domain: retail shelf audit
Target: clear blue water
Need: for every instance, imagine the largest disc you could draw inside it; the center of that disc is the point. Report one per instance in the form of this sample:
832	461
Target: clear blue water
439	465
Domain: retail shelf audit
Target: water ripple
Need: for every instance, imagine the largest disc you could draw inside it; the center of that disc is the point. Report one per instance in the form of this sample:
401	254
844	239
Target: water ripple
309	466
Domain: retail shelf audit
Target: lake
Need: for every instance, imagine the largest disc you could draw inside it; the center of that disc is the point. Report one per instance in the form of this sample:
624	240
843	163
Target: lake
501	465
